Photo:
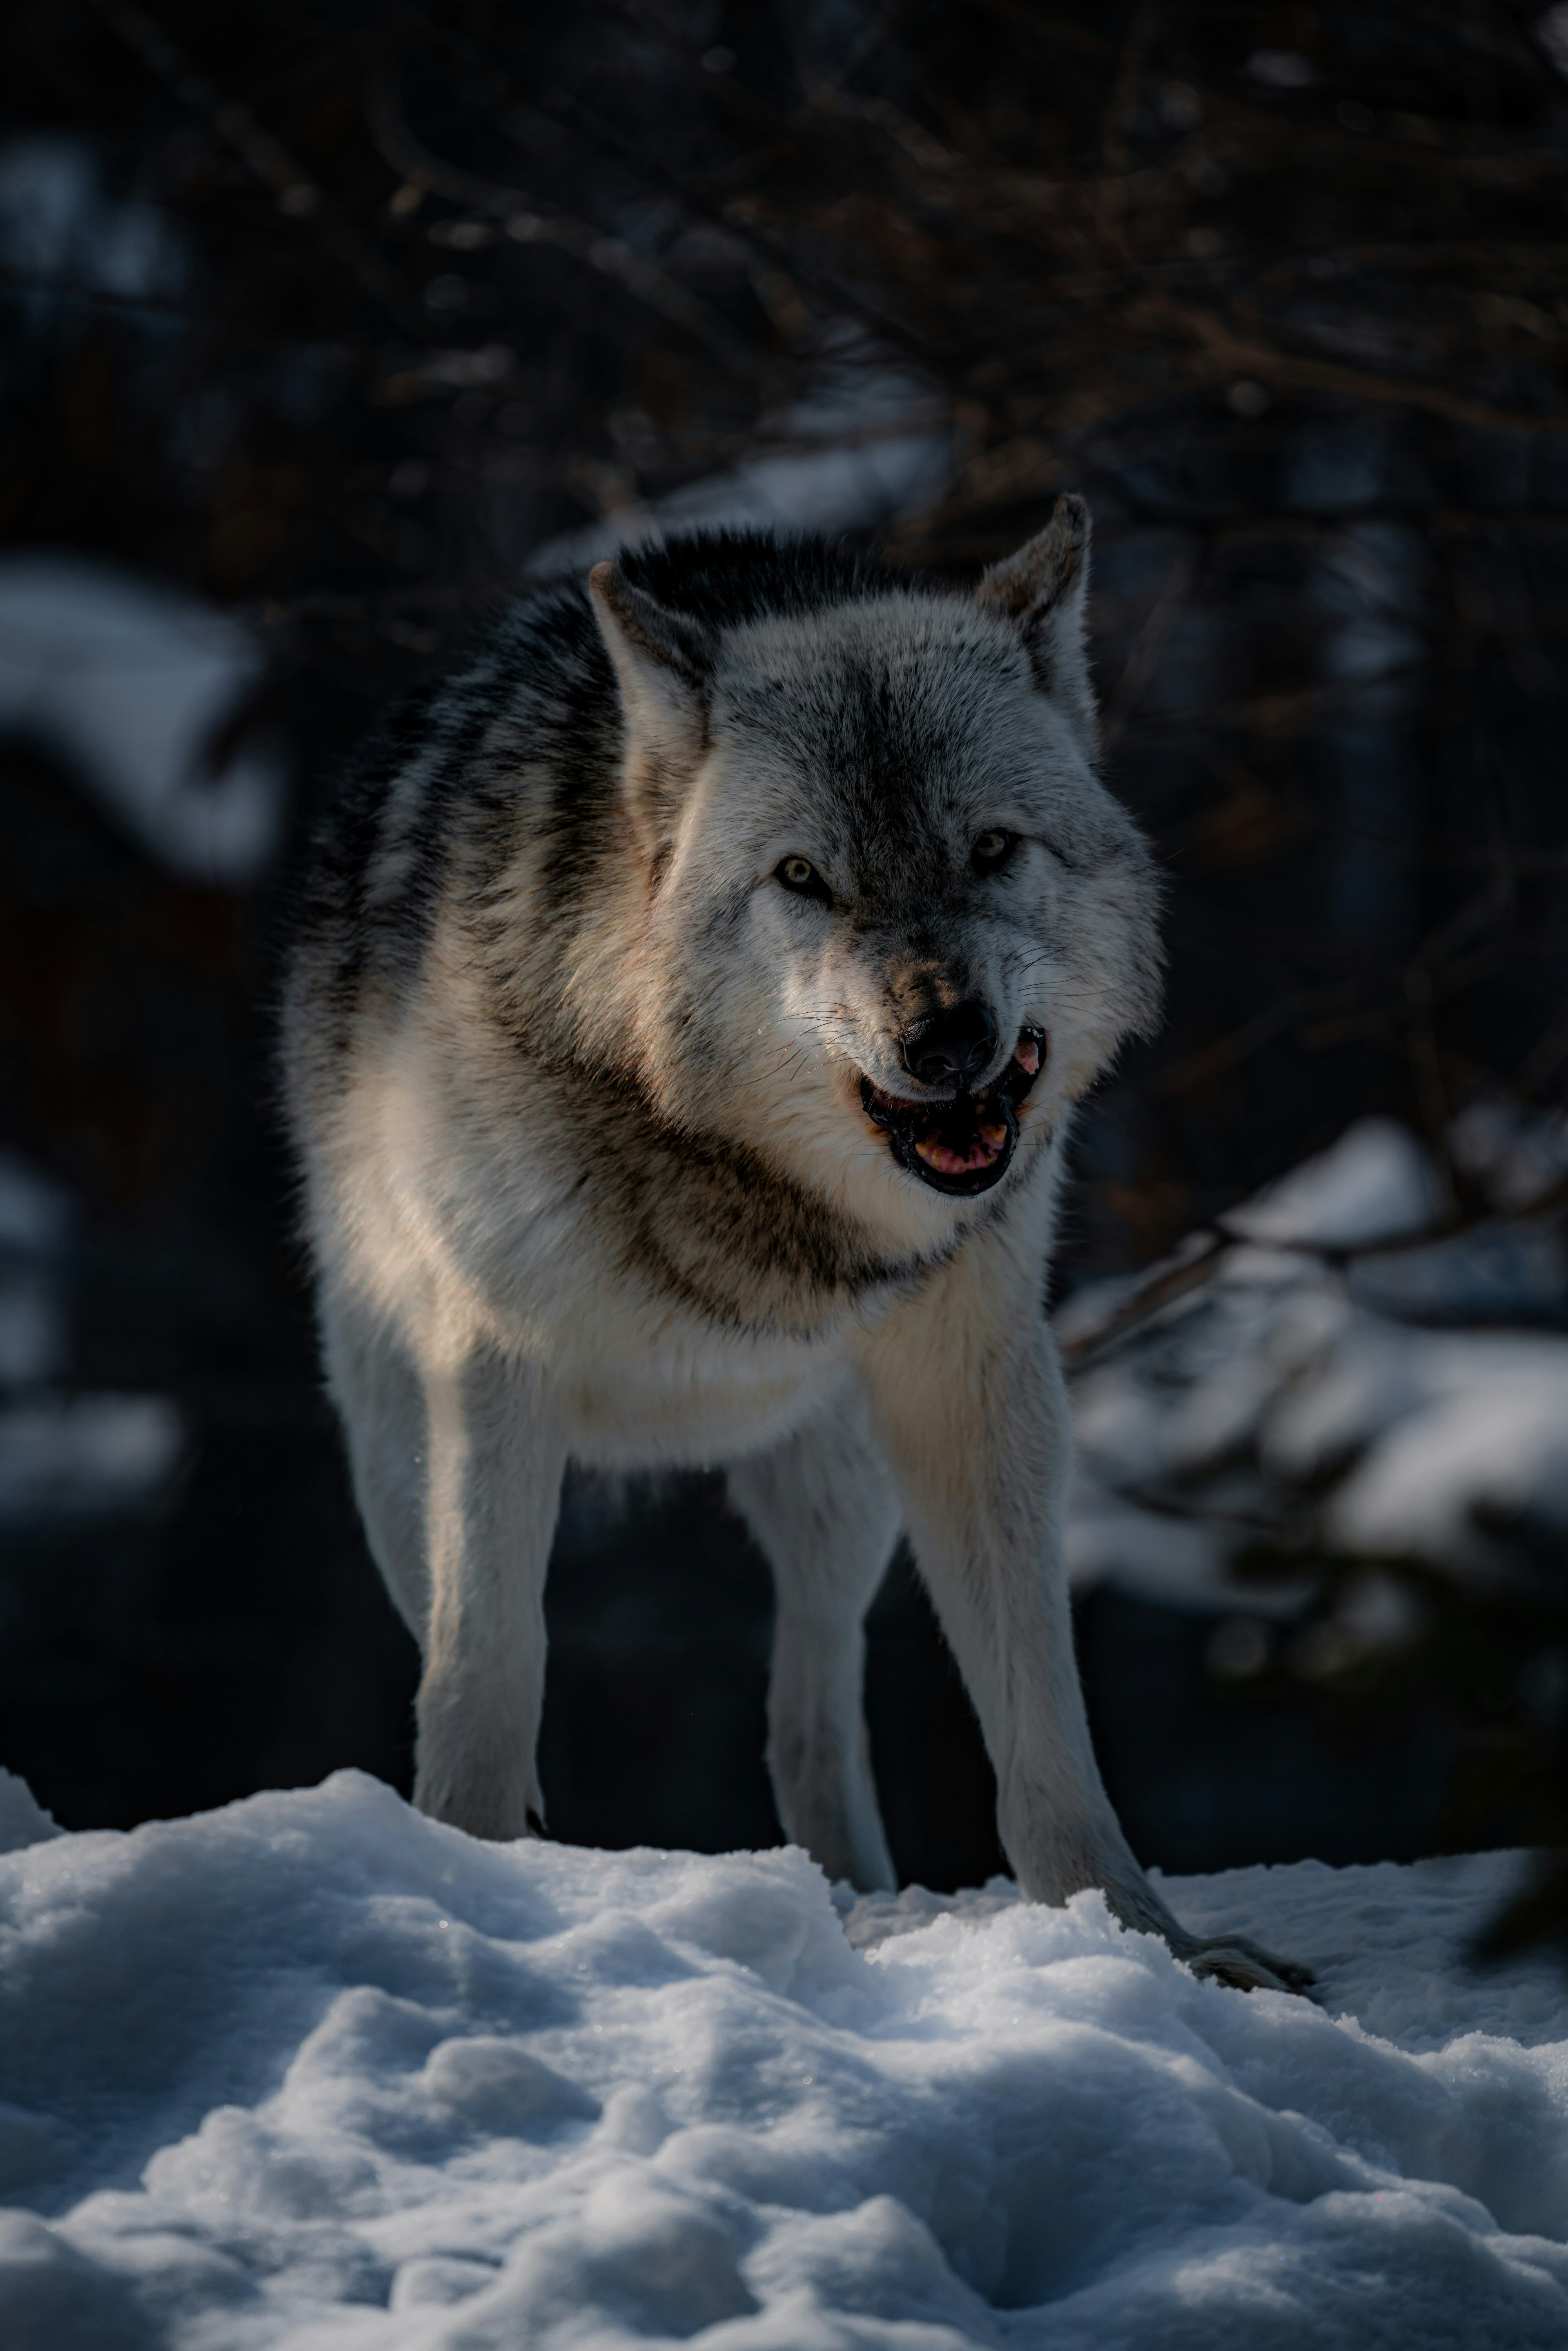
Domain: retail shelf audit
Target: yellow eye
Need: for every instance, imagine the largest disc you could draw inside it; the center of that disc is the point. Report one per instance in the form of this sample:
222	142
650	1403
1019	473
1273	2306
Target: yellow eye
990	848
800	875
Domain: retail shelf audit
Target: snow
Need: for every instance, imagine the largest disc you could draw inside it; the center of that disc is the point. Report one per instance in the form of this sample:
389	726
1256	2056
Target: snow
1304	1381
59	230
133	681
35	1227
864	449
32	1327
1552	32
313	2071
34	1215
1377	1184
1518	1151
74	1457
1490	1450
139	686
23	1820
66	1455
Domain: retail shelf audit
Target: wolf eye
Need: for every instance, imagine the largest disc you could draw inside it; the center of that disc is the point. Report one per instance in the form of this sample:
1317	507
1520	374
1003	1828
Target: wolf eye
798	873
992	849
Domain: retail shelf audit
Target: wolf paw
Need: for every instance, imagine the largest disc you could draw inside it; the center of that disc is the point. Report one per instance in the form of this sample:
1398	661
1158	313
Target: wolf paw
1235	1960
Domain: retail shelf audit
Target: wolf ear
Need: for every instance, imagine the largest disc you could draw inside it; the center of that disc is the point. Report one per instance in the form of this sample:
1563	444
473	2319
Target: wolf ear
1043	589
664	662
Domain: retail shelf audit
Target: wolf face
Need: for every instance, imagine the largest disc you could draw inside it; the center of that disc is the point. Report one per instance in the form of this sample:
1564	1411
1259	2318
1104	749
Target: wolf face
899	919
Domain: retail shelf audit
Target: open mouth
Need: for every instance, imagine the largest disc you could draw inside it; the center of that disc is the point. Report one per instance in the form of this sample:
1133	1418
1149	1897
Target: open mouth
963	1145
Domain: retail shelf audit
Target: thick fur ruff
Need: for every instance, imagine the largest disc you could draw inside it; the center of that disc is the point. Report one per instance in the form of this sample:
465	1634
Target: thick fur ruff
687	1005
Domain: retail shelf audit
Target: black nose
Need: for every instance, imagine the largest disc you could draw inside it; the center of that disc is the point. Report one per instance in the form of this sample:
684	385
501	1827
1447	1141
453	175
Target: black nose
952	1046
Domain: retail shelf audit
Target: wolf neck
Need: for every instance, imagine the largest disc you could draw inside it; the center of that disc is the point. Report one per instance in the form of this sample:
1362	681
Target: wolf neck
713	1225
695	1209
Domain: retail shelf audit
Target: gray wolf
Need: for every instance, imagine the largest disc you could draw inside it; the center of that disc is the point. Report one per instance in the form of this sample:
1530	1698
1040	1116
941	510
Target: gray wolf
687	1008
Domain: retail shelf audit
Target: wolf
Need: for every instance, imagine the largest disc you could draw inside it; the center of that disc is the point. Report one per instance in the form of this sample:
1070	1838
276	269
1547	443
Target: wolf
681	1035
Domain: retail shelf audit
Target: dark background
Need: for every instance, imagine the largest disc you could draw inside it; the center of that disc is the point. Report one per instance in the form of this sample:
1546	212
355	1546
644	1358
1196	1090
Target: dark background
1284	290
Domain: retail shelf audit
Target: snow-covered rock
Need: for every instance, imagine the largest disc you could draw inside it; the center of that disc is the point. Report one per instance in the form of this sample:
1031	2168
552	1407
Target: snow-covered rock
1303	1380
313	2071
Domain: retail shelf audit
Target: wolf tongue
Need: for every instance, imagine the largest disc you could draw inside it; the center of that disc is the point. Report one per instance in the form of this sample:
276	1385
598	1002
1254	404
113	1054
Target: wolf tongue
950	1162
963	1139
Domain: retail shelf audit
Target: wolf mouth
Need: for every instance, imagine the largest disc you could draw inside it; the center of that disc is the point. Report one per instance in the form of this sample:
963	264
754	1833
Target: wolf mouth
963	1145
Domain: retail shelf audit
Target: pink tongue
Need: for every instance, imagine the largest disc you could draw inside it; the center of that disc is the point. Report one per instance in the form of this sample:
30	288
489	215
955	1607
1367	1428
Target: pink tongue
1027	1055
948	1161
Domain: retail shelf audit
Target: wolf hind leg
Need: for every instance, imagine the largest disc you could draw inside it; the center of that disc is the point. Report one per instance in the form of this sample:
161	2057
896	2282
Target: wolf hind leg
822	1513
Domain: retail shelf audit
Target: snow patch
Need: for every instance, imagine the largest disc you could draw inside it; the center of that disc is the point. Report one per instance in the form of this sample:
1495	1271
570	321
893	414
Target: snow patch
23	1820
133	681
1241	1392
1376	1183
1518	1151
59	229
315	2071
859	453
64	1459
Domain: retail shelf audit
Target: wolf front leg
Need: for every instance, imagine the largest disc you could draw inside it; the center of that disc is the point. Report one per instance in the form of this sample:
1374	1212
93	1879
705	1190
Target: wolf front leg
493	1496
457	1474
824	1517
967	1399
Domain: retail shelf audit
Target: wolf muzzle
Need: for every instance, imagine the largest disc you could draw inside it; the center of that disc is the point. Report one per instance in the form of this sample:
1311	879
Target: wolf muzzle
964	1145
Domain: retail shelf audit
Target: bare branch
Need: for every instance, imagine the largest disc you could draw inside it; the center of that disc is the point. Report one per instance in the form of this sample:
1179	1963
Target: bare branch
608	255
299	196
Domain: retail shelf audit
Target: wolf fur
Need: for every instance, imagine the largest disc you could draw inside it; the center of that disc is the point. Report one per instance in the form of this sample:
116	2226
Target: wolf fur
613	1152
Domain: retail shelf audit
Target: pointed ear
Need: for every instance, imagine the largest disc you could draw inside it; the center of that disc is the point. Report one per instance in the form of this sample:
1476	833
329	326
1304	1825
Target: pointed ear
663	664
1043	589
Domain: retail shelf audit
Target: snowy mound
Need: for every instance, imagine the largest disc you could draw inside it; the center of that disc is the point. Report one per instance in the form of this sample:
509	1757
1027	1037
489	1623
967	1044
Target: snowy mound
313	2071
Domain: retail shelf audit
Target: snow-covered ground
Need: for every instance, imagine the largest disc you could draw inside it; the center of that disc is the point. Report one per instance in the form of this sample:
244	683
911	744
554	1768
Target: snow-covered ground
313	2071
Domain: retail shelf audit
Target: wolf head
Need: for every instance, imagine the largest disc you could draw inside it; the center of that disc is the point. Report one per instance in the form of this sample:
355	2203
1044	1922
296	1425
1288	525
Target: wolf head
891	920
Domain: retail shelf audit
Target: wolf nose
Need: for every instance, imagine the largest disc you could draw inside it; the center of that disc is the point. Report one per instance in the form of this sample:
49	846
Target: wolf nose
951	1047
